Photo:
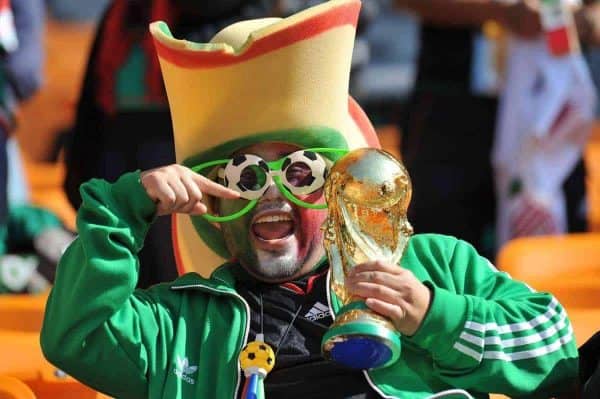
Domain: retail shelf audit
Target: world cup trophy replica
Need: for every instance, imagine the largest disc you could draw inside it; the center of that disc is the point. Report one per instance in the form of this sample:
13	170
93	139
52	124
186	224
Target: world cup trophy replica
367	193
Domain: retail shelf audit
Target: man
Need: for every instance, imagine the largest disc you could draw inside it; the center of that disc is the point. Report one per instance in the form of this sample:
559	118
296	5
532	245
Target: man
253	111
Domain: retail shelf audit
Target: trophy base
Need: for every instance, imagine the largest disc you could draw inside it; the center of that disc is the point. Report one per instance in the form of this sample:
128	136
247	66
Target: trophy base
361	344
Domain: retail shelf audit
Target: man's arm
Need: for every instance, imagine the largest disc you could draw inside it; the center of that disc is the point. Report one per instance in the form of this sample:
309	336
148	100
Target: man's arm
483	331
95	327
456	12
587	21
24	65
489	333
522	17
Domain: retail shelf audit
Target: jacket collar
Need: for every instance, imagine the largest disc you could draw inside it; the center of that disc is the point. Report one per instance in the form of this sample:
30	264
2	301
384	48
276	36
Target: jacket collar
222	279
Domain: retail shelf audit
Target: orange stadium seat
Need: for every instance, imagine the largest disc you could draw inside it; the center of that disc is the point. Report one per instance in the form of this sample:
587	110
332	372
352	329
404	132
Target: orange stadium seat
592	165
567	266
45	180
22	312
22	359
12	388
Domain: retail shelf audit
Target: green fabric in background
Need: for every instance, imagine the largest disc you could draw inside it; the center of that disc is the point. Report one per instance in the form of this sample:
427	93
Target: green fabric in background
3	235
25	222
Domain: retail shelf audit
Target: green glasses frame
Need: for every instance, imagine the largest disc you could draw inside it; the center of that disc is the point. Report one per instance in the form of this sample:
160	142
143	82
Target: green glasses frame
275	172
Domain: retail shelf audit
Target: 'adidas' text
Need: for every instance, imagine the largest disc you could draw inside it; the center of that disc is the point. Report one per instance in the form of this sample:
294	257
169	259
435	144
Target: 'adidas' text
183	369
317	312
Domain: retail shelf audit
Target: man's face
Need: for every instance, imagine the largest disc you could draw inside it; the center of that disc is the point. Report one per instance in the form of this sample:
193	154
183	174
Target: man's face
277	241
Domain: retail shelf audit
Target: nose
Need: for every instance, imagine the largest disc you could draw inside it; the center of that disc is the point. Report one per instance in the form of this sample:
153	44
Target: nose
272	193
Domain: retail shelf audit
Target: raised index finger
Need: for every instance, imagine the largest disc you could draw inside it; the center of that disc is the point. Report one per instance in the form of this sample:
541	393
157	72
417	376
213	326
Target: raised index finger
210	187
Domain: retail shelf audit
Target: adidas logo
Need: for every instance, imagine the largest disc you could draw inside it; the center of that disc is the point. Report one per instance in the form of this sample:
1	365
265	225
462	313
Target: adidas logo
317	312
183	369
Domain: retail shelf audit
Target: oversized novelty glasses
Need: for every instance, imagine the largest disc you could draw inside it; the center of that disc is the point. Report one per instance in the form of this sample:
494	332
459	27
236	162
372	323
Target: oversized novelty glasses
299	173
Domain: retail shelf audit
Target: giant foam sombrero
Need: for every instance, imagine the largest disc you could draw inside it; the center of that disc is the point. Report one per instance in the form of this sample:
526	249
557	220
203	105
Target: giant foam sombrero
271	79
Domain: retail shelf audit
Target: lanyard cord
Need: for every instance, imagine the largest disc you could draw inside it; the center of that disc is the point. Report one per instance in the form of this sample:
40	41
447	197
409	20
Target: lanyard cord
287	330
262	329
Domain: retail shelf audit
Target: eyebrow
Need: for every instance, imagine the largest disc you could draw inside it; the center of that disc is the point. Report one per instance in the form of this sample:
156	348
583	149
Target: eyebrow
280	154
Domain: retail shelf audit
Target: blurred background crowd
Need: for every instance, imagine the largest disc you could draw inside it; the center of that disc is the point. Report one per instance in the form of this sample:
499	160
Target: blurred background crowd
493	112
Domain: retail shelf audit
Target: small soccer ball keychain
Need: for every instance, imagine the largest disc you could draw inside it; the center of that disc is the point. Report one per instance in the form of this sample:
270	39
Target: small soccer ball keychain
257	360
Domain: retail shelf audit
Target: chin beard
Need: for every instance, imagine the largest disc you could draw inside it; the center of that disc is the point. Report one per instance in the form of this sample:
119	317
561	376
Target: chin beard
275	266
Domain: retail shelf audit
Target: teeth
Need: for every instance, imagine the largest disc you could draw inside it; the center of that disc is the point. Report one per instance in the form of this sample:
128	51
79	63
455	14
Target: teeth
273	218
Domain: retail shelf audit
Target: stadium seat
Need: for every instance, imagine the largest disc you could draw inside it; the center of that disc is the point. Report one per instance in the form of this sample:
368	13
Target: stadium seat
12	388
27	364
567	266
22	312
20	323
592	166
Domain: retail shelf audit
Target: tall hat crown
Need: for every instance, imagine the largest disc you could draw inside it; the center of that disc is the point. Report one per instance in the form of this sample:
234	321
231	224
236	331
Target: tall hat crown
271	79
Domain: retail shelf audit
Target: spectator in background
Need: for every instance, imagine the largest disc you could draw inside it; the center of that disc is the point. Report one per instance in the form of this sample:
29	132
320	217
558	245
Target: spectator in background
23	228
35	242
21	56
448	132
77	10
122	121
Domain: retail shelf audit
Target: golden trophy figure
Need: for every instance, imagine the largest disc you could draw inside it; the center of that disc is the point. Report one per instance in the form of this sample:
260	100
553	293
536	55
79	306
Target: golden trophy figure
367	193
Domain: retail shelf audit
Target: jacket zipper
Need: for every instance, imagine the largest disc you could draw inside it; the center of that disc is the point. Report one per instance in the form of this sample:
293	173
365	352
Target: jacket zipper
246	329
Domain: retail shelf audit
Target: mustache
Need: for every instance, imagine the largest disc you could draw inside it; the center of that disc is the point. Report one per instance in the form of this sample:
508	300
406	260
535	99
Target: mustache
267	206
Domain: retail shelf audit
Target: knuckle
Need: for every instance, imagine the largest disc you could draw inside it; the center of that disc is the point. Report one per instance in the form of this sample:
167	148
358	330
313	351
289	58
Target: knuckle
184	197
379	290
376	277
170	199
188	208
398	297
174	169
195	195
398	313
150	178
382	277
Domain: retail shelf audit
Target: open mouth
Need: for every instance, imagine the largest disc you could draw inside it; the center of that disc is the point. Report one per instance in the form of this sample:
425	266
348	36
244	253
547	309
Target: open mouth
273	226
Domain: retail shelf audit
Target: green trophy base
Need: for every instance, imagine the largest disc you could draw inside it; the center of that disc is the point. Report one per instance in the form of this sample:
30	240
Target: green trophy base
361	339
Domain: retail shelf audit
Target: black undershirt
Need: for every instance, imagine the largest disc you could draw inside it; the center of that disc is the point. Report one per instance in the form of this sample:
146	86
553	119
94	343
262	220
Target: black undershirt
300	370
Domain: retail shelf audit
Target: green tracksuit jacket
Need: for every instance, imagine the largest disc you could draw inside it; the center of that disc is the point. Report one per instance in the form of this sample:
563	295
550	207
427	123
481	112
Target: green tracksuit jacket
483	333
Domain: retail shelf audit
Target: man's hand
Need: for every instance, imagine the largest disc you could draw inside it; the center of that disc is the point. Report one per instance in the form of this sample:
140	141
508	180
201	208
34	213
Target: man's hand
523	18
587	21
391	291
177	189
